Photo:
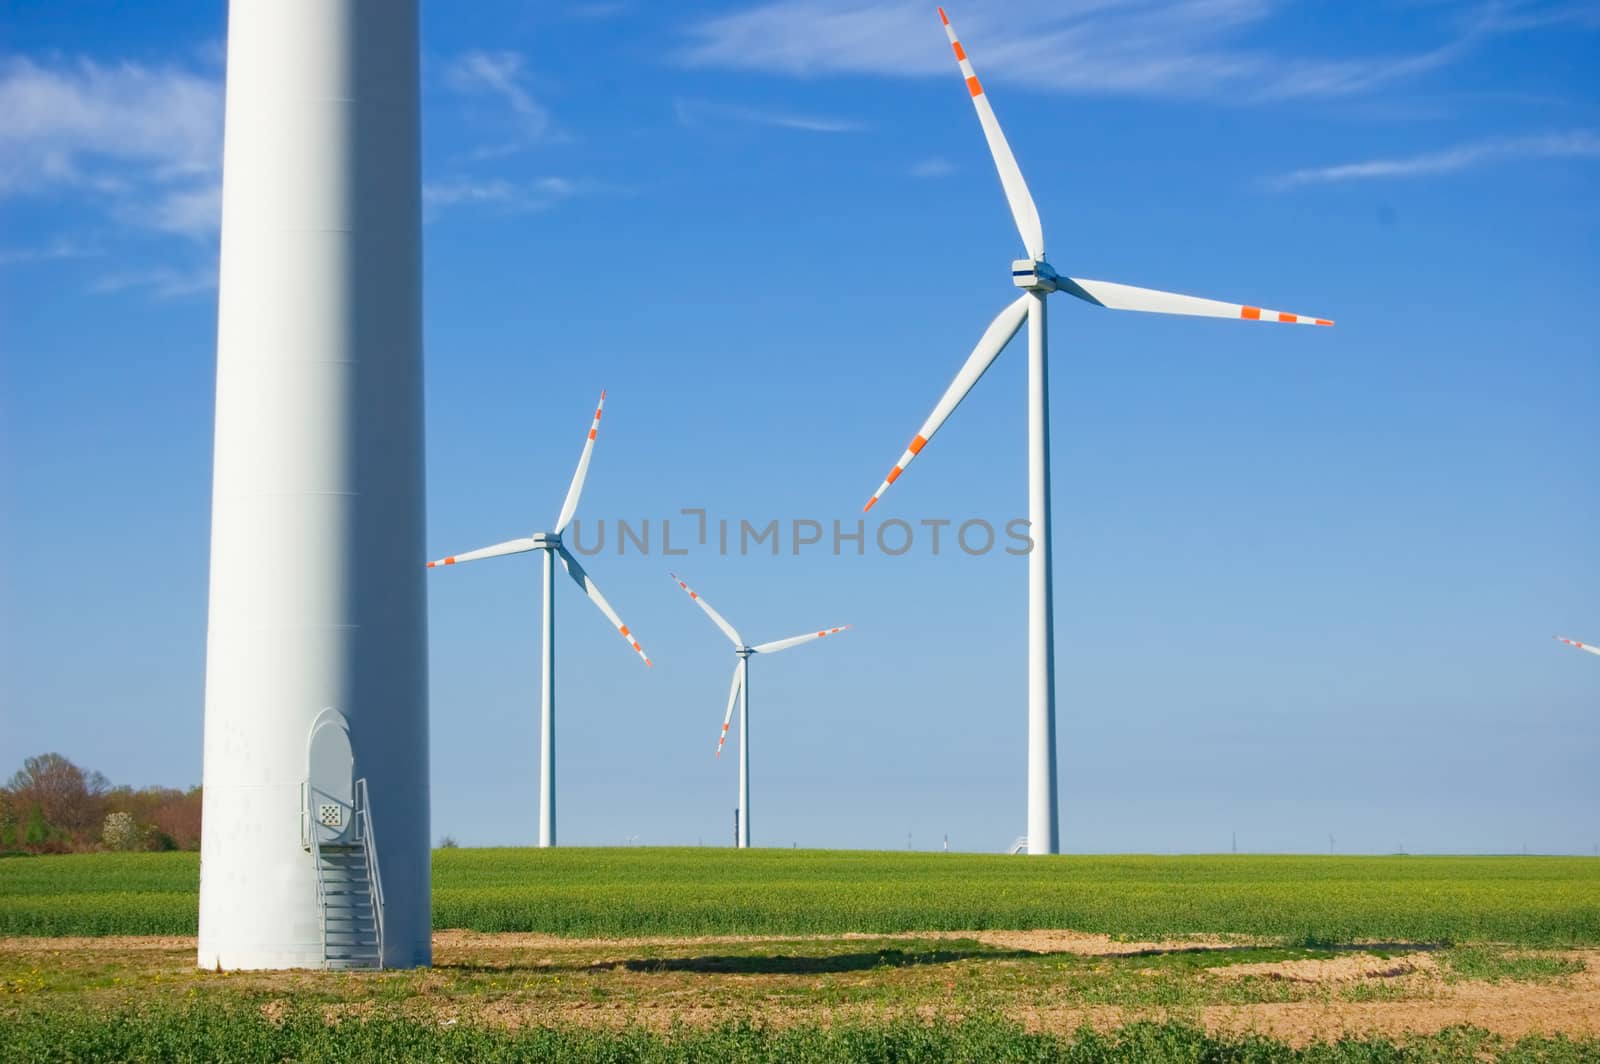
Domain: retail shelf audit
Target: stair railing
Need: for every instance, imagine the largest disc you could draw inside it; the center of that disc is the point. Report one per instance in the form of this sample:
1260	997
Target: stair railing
308	837
369	847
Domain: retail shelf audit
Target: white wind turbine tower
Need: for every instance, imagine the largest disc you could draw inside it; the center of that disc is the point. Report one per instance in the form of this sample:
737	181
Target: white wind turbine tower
550	543
1038	279
1590	647
740	692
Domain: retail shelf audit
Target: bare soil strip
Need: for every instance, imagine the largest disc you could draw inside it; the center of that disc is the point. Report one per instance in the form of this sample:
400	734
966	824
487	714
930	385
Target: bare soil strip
518	980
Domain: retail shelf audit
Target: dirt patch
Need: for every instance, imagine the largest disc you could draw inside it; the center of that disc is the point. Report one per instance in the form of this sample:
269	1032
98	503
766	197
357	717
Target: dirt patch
1088	945
1512	1012
1351	968
520	980
1038	941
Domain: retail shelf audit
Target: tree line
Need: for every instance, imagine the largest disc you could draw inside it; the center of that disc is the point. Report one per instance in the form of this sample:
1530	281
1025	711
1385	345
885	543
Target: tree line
53	806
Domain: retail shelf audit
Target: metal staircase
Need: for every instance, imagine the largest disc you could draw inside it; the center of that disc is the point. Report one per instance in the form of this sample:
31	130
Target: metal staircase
349	890
1018	845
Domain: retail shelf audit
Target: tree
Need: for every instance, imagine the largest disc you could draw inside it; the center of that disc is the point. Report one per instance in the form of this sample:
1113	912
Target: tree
176	817
54	806
120	832
37	833
67	797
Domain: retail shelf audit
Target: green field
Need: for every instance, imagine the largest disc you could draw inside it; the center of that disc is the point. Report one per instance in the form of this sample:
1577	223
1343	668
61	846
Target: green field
1532	901
243	1035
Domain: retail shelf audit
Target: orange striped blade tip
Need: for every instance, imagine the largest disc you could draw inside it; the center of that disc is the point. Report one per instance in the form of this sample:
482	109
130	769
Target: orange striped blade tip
1256	314
943	17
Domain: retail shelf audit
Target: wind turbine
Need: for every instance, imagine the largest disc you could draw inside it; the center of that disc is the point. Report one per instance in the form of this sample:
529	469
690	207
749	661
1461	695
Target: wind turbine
550	543
740	692
1038	279
1591	648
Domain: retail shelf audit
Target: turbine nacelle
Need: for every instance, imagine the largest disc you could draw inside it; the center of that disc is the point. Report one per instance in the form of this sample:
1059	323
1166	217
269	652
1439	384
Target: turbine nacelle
546	540
1037	276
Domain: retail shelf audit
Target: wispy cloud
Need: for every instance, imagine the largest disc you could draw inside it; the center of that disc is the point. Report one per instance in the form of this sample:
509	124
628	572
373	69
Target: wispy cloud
57	249
1581	144
934	167
144	142
1513	15
539	194
164	282
1137	47
502	76
700	112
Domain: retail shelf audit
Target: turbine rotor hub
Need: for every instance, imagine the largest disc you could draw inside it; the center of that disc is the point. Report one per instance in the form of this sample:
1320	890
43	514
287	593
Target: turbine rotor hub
547	540
1035	276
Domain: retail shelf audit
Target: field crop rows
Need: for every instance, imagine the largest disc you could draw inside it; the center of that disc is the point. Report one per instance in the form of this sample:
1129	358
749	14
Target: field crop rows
245	1035
1533	901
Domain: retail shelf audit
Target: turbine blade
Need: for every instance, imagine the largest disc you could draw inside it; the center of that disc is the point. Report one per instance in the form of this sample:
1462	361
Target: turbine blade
1581	646
510	546
1127	297
994	339
1022	208
733	696
717	618
794	641
583	580
570	505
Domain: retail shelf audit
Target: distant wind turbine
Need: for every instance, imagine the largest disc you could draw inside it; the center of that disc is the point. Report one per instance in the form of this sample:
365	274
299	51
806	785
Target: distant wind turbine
1581	646
740	692
550	543
1039	279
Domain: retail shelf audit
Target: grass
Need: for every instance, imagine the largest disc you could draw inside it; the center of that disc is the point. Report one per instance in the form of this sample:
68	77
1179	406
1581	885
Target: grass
1491	965
896	997
1307	901
246	1035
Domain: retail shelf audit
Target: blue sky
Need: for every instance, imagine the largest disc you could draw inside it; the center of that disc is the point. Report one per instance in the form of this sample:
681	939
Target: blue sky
1306	578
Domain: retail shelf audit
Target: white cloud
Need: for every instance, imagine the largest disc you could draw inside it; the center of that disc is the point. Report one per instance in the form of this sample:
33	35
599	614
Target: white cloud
501	75
141	143
465	190
699	112
539	194
162	281
934	167
1450	160
1138	47
144	142
192	212
57	249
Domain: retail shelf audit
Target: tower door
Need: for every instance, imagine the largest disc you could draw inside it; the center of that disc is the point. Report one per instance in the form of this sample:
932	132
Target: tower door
330	780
